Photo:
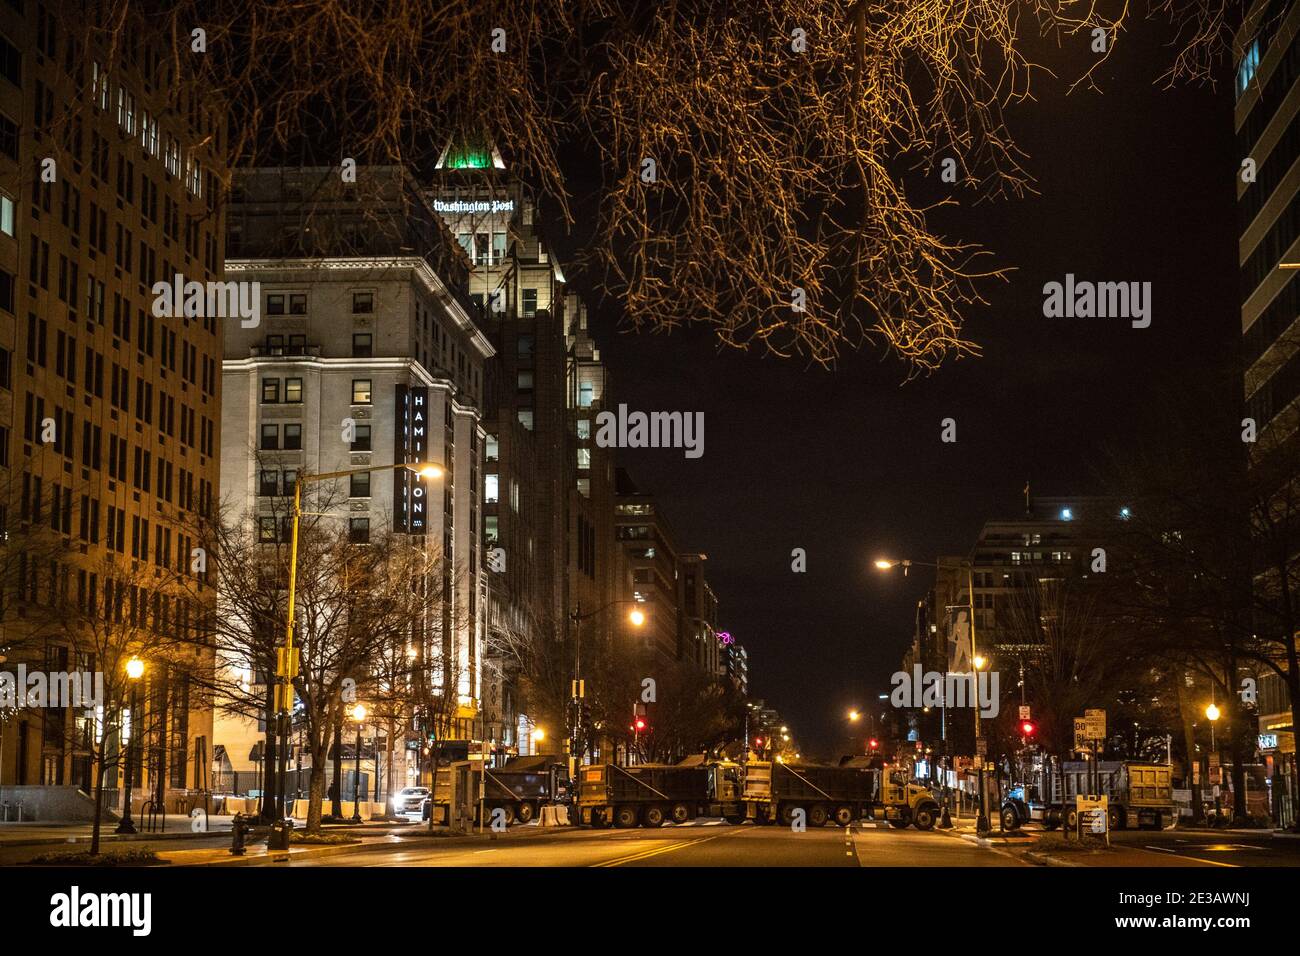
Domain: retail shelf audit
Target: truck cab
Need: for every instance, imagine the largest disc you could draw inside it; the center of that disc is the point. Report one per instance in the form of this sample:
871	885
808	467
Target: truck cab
905	802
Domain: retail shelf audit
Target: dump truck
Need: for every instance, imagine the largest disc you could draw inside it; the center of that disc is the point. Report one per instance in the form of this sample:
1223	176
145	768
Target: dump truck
520	788
776	791
647	794
1140	795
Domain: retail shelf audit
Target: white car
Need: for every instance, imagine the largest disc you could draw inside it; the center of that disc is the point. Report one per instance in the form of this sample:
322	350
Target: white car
410	799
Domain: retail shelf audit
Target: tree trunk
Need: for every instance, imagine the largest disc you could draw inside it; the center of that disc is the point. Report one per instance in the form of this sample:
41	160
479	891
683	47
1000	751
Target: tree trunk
266	809
1293	681
336	800
1189	747
316	799
99	797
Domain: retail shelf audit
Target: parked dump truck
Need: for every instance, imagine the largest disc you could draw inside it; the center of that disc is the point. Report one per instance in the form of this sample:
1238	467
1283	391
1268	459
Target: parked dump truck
776	791
647	794
1140	795
520	788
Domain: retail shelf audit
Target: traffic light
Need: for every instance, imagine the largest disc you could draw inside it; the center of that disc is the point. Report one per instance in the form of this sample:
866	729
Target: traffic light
873	743
639	725
1027	728
758	742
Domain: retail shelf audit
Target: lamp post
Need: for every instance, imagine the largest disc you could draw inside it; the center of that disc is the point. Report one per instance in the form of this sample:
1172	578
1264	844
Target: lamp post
134	671
287	667
886	564
637	618
359	715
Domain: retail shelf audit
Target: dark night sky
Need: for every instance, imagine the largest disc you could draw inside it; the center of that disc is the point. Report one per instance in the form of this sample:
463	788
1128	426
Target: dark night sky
1135	183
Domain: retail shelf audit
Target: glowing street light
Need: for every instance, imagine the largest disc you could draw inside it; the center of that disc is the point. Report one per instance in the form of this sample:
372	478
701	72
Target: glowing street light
854	716
1212	712
637	617
979	661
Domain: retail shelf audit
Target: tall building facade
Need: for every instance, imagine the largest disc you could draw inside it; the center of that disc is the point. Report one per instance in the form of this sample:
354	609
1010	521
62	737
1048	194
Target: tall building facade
109	422
367	333
519	291
1267	122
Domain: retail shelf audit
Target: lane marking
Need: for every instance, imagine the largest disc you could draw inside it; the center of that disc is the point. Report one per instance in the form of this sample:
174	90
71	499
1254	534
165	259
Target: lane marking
655	851
1162	849
1231	866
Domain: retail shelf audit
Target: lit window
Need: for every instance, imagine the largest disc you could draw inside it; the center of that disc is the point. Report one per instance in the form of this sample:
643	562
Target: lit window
493	451
6	215
490	489
584	428
293	390
361	391
526	418
270	390
584	457
491	532
530	302
1246	71
586	394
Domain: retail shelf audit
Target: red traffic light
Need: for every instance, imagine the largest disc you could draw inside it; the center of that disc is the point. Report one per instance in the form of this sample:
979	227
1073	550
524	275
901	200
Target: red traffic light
1027	728
640	724
758	741
873	743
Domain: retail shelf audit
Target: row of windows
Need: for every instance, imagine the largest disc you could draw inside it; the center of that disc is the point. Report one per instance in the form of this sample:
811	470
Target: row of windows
362	345
271	530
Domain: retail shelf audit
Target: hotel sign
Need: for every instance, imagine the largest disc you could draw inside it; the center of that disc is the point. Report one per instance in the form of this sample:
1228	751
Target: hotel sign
411	444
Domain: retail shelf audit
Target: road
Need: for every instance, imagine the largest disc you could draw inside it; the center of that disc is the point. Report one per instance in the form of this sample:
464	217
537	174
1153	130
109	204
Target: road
703	843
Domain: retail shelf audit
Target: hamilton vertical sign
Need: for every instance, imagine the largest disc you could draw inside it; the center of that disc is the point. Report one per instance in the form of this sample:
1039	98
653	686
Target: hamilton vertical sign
410	496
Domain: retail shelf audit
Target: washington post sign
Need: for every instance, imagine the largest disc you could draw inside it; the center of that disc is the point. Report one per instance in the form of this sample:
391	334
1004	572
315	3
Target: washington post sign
411	441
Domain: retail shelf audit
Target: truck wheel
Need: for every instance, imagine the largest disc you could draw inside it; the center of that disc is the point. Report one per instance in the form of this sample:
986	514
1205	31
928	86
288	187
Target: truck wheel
1010	819
524	812
681	813
842	816
818	815
925	817
625	817
786	814
1071	819
1051	824
735	820
653	817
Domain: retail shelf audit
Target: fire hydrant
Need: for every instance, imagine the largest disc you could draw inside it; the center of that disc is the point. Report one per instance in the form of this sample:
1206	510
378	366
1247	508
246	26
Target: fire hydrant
239	831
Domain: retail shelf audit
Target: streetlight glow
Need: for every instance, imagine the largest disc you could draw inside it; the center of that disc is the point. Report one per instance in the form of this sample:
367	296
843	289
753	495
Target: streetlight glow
884	564
979	661
637	617
359	713
135	668
1212	712
854	715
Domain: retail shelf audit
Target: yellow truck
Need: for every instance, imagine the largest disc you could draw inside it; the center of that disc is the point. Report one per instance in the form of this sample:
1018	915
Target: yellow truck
775	792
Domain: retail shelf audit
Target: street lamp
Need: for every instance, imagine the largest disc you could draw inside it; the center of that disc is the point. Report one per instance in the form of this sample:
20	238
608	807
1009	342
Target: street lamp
854	716
134	671
637	618
284	681
977	661
359	715
537	736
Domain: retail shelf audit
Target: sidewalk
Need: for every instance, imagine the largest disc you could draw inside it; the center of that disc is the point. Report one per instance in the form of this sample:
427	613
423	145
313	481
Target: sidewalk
177	828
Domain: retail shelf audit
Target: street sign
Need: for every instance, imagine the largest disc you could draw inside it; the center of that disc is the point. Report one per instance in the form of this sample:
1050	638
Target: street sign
1096	724
1024	712
1081	734
981	746
1093	814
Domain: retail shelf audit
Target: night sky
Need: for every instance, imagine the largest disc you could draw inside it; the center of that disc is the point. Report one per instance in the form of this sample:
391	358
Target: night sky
1136	184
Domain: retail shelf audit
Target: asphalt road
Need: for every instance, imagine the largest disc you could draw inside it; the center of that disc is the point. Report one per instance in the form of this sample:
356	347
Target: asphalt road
703	843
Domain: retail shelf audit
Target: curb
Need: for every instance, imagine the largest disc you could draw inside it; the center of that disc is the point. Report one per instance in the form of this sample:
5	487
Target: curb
281	856
1043	859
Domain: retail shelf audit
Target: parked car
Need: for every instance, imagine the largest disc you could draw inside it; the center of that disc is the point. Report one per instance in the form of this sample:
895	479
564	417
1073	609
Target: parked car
410	799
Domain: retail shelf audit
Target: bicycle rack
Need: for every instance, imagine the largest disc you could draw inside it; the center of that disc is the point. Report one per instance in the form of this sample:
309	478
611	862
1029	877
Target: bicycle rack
151	810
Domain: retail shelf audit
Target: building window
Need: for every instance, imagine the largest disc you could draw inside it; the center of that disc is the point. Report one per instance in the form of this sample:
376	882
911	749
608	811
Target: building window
361	439
584	428
524	345
363	303
586	394
530	303
268	487
270	391
359	530
1246	71
584	458
6	215
360	485
491	531
491	487
298	304
493	450
270	437
266	530
293	391
275	305
526	418
584	487
361	391
361	345
275	345
525	381
293	437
